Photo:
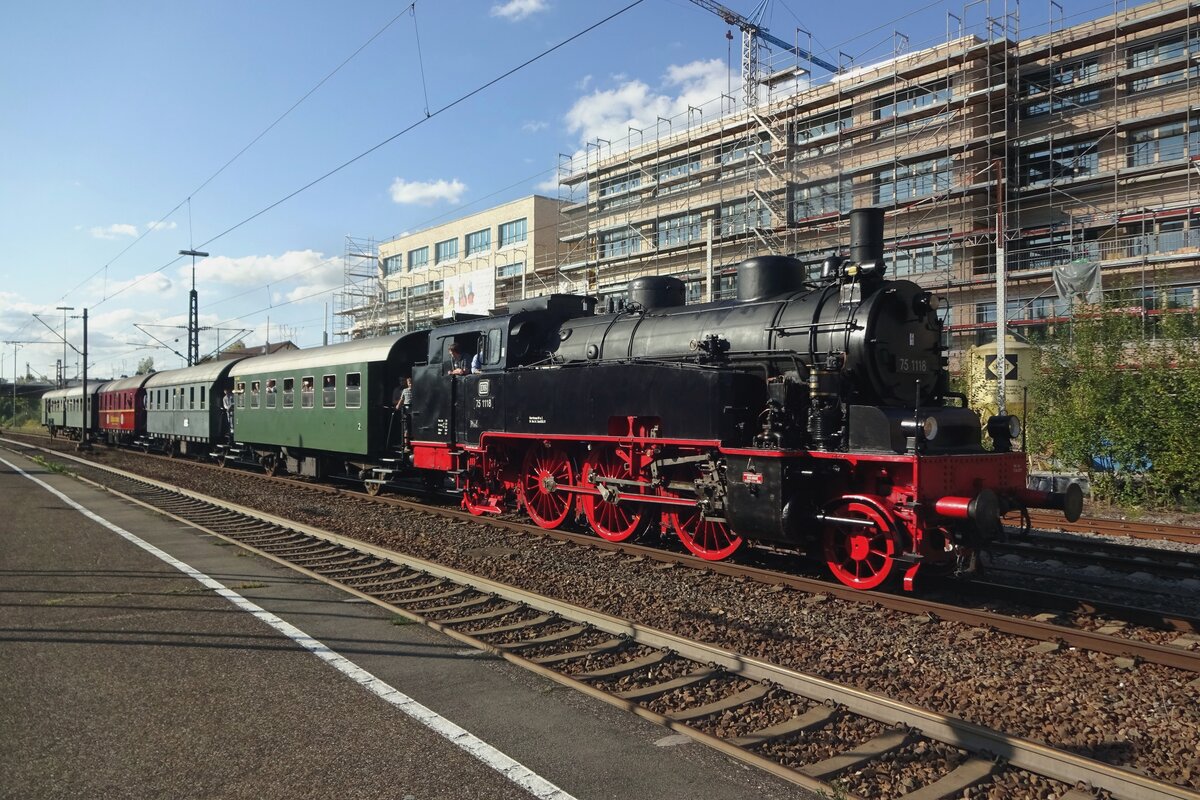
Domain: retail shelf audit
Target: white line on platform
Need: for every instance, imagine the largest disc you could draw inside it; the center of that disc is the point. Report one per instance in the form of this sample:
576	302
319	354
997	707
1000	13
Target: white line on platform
509	768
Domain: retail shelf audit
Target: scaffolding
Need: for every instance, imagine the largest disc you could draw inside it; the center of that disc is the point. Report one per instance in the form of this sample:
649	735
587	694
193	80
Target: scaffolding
1082	141
358	308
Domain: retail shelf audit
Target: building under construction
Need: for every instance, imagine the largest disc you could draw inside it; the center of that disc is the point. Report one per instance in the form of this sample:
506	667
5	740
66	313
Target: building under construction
994	156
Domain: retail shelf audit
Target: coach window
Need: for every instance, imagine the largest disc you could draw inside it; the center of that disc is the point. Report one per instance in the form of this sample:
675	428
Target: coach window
353	390
289	392
306	392
239	392
203	397
270	403
329	391
192	398
254	387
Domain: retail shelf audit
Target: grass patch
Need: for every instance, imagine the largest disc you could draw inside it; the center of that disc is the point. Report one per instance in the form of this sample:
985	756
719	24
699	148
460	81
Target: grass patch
249	585
51	465
399	620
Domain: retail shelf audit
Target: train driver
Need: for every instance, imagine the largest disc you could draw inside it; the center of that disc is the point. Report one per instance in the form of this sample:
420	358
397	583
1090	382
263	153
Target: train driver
458	364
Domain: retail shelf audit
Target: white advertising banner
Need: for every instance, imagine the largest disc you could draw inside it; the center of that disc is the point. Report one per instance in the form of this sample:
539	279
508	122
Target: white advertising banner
469	293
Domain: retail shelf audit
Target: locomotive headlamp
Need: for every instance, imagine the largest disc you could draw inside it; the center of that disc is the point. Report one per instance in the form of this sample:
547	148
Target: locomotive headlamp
920	429
1014	427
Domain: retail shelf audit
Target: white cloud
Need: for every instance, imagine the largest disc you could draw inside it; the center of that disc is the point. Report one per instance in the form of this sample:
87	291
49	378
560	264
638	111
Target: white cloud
307	265
426	193
154	283
548	186
114	231
534	125
610	113
583	83
161	226
516	10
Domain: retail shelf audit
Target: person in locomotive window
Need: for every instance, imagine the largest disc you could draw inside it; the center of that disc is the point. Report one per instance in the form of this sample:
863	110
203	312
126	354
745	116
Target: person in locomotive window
477	359
458	364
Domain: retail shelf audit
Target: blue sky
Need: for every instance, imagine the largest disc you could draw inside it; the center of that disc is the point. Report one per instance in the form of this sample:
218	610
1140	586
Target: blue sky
115	113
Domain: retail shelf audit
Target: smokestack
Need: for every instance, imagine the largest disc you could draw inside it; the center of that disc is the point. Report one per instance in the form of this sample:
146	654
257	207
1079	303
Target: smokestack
866	236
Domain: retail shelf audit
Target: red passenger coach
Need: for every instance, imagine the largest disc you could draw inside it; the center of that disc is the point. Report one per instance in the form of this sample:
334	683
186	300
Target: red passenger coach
123	409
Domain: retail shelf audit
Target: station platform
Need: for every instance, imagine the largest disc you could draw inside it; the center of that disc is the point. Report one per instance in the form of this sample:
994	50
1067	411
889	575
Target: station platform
123	676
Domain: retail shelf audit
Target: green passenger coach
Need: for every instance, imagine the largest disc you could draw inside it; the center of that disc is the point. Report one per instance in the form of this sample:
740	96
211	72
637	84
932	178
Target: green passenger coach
321	411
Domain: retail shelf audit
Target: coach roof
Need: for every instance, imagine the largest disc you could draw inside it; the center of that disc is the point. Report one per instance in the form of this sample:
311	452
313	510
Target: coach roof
355	352
208	372
134	382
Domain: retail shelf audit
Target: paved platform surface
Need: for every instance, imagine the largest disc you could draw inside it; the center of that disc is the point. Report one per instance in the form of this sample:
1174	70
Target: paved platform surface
120	676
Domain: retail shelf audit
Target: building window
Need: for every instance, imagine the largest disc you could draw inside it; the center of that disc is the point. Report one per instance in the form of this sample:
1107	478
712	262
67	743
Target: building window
678	168
395	295
1164	143
620	185
1066	161
479	241
1065	101
510	270
908	181
912	99
353	390
289	392
393	264
741	216
825	197
678	230
1060	76
822	125
734	154
1166	49
620	242
447	251
418	258
513	232
916	260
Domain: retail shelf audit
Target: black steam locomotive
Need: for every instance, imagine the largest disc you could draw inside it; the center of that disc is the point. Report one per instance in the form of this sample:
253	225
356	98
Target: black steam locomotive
805	414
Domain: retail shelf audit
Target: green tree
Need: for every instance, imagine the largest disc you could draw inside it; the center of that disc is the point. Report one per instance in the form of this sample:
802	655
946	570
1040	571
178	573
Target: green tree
145	366
1116	394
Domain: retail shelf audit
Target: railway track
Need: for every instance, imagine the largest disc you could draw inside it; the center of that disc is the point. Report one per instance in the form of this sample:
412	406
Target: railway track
1044	616
1150	531
783	721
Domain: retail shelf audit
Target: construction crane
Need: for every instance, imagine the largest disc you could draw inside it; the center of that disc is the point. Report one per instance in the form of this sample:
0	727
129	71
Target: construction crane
752	32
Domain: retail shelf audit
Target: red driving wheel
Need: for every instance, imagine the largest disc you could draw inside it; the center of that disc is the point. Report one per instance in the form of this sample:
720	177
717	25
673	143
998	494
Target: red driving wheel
861	548
704	537
544	471
614	521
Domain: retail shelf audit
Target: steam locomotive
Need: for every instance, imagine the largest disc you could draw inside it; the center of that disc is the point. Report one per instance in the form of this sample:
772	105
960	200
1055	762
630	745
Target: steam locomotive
805	415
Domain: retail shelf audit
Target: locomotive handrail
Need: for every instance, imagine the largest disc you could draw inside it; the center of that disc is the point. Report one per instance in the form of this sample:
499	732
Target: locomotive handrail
809	326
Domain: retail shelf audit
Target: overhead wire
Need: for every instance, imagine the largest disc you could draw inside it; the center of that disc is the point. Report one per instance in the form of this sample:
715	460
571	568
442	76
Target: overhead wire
430	115
155	225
